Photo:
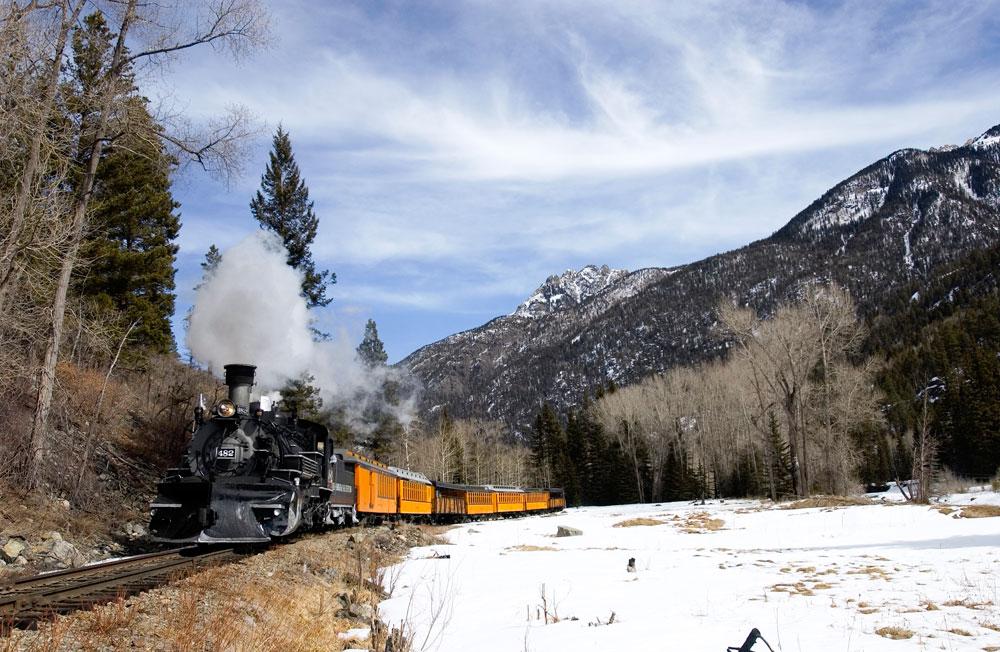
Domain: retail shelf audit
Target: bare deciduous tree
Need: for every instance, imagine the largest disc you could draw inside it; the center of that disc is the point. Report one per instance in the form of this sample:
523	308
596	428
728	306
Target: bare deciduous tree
163	30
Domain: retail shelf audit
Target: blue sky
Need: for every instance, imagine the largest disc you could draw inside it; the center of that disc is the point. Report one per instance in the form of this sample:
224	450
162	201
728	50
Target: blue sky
460	152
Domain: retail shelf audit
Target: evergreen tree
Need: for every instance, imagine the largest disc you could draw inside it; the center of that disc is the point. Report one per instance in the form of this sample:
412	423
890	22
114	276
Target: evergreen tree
208	266
371	351
133	225
282	205
548	448
301	397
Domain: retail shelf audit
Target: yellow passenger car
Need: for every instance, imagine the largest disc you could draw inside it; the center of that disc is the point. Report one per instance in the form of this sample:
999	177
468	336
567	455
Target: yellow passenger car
536	499
415	491
507	499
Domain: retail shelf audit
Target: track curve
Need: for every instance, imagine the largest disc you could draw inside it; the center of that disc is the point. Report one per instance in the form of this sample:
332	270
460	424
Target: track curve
25	601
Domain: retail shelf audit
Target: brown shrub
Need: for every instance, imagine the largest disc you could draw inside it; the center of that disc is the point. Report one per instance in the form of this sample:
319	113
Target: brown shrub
895	633
828	501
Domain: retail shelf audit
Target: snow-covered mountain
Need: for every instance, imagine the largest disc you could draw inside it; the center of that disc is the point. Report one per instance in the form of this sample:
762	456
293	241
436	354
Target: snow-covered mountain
893	223
571	288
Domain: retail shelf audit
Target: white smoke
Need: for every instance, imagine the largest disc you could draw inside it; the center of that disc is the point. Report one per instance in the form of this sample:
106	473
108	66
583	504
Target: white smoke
250	311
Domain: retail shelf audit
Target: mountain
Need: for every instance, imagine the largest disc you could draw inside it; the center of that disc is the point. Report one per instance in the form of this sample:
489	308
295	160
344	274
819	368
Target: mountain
893	224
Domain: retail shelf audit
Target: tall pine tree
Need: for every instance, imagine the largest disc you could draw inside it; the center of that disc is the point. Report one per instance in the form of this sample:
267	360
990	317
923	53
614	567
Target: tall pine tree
282	205
371	350
133	225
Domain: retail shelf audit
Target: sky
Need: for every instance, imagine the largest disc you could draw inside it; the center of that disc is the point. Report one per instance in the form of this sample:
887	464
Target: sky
458	153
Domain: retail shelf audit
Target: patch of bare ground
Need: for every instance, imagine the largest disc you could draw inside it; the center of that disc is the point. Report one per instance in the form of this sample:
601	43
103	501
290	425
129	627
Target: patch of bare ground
873	572
296	596
895	633
968	604
530	548
697	523
798	588
638	522
828	501
980	511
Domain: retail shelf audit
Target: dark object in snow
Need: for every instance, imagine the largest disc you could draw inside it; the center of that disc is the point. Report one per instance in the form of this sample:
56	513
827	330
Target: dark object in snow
876	487
566	531
749	643
631	565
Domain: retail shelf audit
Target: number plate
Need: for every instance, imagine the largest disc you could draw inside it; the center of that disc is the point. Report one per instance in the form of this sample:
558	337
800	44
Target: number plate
226	453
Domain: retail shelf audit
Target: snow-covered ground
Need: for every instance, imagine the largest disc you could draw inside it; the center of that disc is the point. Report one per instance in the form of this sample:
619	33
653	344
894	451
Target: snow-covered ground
810	579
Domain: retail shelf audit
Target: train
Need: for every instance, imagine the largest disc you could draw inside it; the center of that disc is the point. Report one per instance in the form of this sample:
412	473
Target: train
253	473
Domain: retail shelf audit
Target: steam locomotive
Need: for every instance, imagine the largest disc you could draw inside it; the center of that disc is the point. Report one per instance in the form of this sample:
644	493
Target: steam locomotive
253	473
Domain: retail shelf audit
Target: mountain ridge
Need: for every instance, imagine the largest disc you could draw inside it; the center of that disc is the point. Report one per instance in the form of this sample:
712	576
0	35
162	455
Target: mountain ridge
892	222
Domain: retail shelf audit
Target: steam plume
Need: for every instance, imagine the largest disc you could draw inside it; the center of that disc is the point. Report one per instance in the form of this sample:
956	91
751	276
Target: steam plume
250	310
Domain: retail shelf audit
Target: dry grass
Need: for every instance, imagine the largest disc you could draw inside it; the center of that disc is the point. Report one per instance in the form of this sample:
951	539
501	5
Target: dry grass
294	597
699	523
959	632
895	633
873	572
828	501
799	588
530	548
638	522
968	604
980	511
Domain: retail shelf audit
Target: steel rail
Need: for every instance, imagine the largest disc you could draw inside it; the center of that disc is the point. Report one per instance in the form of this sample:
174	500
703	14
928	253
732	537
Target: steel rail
25	601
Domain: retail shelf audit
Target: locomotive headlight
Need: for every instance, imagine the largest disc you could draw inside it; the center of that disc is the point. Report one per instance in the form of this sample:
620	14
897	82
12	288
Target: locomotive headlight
225	408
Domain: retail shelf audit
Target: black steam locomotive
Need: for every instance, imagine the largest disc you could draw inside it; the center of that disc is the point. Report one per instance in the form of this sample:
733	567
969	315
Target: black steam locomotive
252	473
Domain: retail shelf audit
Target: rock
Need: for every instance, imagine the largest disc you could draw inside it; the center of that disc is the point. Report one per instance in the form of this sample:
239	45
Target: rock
361	611
66	555
65	504
134	530
13	549
21	561
53	536
566	531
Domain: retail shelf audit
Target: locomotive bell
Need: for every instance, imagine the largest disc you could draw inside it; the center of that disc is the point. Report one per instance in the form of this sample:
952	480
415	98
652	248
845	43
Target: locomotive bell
239	378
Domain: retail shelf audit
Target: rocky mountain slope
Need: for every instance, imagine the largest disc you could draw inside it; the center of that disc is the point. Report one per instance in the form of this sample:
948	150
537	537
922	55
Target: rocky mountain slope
889	225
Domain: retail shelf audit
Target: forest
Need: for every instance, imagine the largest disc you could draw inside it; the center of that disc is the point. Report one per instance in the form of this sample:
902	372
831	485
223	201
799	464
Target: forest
809	399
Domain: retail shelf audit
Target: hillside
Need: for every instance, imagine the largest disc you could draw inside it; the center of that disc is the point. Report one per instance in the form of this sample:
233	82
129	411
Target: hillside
891	225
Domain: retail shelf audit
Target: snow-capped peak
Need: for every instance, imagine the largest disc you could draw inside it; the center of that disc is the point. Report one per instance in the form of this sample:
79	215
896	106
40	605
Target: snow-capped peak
570	288
989	139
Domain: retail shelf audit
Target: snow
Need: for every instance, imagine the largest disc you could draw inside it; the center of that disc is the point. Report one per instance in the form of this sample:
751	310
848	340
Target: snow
356	634
985	141
809	579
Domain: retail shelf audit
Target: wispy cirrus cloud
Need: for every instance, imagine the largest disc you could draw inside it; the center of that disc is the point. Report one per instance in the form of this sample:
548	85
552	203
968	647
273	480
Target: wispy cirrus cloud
483	146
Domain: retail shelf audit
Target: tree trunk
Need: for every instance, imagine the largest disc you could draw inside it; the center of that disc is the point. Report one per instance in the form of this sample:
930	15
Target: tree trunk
8	251
47	374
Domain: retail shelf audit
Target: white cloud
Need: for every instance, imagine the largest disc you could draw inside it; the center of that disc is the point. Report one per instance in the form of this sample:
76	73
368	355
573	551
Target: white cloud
529	137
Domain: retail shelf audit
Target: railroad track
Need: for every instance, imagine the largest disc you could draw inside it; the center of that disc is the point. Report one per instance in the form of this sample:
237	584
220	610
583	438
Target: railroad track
25	601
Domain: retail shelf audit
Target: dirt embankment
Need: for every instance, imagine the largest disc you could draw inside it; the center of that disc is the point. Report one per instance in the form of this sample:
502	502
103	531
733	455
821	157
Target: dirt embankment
39	533
317	593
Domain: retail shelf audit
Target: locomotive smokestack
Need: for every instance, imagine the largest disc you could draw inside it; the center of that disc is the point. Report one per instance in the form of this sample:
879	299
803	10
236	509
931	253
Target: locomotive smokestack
239	378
